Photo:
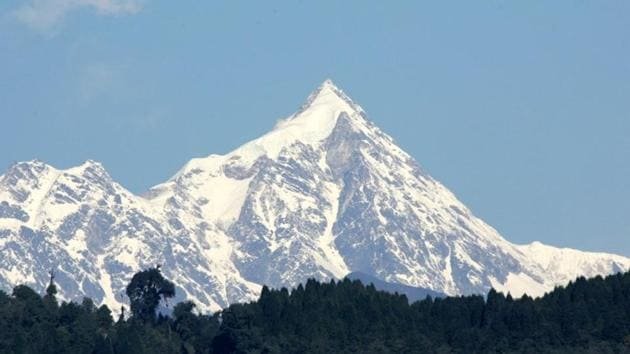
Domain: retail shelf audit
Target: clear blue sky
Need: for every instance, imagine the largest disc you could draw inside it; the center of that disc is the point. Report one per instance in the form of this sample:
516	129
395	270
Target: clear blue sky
521	108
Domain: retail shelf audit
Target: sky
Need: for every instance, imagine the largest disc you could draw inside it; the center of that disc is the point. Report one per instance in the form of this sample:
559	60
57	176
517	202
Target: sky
522	109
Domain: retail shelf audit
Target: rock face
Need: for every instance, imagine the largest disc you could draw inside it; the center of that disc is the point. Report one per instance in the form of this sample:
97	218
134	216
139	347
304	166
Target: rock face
325	193
96	234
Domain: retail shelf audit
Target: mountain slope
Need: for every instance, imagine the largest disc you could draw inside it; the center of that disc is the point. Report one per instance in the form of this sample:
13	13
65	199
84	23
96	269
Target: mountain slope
96	235
323	194
413	293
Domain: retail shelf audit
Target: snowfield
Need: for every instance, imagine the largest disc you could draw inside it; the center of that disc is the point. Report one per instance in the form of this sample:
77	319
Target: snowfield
325	193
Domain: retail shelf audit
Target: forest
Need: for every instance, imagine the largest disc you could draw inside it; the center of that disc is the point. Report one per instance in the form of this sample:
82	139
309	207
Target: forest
586	316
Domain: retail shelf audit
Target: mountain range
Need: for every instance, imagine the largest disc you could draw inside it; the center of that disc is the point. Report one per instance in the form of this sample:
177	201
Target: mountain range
323	194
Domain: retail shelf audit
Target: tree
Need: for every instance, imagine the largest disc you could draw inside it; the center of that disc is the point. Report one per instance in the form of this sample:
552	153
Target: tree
145	291
50	300
104	318
340	316
51	290
186	324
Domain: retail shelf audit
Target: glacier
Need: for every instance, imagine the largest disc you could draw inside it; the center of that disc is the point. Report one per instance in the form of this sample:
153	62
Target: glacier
323	194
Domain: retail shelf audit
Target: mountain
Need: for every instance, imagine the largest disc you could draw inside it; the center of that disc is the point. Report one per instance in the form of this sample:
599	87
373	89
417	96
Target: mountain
323	194
413	293
96	235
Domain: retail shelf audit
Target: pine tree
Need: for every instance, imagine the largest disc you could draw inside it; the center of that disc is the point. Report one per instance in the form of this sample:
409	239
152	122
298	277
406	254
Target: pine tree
50	300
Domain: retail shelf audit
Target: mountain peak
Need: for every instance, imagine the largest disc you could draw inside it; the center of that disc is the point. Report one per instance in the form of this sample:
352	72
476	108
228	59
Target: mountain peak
91	164
322	194
329	94
328	83
27	170
34	164
310	125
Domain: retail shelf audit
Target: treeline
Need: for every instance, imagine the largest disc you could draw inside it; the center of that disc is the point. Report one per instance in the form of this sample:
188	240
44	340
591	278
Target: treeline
586	316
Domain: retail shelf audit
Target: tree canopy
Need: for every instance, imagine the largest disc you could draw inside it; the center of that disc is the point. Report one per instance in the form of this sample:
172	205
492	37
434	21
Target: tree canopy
145	291
586	316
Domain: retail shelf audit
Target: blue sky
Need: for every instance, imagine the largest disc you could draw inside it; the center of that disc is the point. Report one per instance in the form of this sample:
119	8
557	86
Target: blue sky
521	108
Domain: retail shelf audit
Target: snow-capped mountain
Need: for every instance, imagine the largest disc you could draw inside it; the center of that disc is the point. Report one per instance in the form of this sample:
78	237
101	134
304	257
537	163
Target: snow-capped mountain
325	193
95	235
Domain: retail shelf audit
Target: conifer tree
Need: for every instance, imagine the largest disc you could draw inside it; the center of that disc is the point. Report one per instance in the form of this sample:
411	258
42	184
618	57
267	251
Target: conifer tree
50	300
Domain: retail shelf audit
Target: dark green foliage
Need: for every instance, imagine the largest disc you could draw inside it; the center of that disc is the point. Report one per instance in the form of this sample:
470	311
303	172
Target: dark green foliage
586	316
145	291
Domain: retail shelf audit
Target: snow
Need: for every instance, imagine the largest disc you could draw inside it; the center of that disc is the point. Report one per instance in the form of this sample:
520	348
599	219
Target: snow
566	264
426	236
77	244
205	179
129	251
520	284
37	197
80	170
332	260
225	198
105	281
14	276
310	126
